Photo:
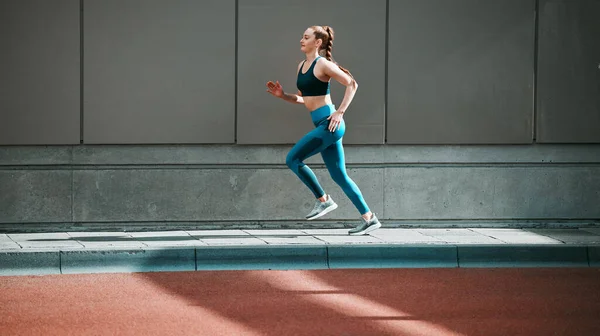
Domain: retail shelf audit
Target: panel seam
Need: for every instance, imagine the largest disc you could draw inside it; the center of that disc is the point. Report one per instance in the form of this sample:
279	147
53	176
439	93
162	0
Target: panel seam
535	67
235	104
81	72
385	99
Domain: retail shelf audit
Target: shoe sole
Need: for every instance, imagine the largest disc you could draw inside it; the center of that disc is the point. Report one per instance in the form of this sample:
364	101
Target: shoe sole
367	230
324	212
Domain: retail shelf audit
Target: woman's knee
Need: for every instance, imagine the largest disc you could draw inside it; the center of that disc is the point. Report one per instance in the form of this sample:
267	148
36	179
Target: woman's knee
292	162
340	178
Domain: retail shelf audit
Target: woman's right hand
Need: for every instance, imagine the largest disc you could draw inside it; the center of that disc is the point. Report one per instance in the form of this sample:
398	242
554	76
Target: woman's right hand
275	89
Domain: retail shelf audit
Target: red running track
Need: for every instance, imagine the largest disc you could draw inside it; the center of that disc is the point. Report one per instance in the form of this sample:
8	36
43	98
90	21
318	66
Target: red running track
325	302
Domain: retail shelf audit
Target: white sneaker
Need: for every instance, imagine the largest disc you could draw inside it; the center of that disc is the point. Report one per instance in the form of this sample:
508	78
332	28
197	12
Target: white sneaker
322	208
366	226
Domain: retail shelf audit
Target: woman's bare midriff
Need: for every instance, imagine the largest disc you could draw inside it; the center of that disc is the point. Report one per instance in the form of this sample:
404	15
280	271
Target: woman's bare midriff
314	102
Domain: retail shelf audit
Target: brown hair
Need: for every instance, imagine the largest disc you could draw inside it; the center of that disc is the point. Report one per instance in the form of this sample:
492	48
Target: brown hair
325	34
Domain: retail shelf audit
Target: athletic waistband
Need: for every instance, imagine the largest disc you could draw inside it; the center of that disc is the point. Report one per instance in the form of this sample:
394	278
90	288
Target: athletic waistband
319	115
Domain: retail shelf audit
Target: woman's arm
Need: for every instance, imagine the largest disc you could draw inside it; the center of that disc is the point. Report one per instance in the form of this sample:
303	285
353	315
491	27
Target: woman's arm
333	70
276	90
293	98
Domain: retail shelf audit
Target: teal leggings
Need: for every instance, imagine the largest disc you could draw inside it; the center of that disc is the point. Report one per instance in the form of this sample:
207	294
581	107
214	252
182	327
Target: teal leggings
329	144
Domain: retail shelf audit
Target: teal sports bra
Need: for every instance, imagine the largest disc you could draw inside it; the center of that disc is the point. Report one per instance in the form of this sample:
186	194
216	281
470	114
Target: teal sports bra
309	84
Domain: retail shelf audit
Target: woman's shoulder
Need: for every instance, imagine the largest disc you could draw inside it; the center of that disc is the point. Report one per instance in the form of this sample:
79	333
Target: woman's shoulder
323	62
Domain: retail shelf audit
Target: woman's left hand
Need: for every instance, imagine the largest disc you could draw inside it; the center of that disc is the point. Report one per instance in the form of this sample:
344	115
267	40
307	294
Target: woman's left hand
335	120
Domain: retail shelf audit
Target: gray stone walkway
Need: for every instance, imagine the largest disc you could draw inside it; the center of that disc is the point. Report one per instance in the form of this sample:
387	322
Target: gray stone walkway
90	252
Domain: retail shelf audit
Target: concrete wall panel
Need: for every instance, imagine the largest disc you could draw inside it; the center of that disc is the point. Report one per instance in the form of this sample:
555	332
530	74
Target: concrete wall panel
159	71
460	72
39	72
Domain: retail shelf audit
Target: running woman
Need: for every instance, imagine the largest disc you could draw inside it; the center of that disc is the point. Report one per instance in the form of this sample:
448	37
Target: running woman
313	81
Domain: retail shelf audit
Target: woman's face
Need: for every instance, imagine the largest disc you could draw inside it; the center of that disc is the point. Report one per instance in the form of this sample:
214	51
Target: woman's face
308	43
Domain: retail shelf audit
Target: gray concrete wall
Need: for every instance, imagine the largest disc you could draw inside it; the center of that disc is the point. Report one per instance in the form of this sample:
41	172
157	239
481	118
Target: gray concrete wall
452	124
187	72
158	187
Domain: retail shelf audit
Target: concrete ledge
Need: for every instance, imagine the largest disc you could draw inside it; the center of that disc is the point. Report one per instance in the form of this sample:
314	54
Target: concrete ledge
35	155
522	256
261	257
594	256
226	154
280	257
128	260
29	263
392	256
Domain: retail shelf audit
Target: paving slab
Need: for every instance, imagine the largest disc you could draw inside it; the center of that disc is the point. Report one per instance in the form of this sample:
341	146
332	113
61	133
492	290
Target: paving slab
517	236
459	236
349	240
404	236
217	233
523	256
326	232
128	260
261	258
300	240
103	240
166	238
5	239
153	234
276	232
9	246
595	231
285	237
45	240
341	236
400	256
29	263
233	241
226	237
569	236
